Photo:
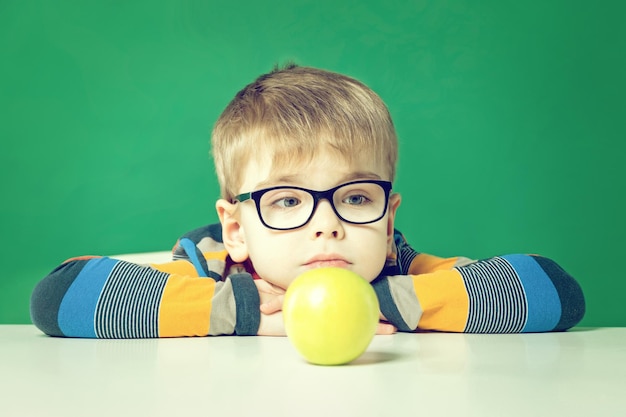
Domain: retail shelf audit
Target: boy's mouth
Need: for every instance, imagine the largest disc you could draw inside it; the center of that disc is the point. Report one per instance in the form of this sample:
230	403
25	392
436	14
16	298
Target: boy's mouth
325	261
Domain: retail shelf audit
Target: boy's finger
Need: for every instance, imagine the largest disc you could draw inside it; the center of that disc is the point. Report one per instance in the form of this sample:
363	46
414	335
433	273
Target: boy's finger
272	306
386	329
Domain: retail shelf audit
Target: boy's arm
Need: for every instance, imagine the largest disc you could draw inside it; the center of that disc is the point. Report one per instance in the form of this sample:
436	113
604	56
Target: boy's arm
99	297
507	294
109	298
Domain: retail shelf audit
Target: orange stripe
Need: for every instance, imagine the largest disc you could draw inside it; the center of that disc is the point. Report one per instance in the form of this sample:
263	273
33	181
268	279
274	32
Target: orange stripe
424	263
220	256
82	258
444	301
185	267
186	306
180	267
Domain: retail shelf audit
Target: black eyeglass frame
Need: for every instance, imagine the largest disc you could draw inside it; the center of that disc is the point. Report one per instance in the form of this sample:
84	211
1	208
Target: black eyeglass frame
317	196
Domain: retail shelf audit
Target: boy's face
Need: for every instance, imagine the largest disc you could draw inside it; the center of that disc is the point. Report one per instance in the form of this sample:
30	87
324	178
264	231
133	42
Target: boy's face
279	256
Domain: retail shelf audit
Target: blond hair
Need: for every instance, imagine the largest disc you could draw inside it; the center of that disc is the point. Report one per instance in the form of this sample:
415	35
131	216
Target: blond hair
292	113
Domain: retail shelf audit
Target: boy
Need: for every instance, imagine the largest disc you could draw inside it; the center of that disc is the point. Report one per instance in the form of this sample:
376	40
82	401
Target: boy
305	160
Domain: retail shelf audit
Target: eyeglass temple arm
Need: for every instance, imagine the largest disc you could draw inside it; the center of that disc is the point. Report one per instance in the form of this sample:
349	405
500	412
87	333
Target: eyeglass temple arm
242	197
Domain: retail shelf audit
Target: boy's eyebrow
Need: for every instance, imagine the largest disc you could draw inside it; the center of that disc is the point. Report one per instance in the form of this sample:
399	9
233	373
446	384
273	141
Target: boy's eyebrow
297	179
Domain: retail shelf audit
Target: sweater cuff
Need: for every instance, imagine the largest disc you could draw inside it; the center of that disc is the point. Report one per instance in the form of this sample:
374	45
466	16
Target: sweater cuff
247	304
388	305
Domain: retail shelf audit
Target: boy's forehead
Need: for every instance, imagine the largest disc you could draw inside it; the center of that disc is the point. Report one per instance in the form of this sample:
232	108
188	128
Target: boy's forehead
324	169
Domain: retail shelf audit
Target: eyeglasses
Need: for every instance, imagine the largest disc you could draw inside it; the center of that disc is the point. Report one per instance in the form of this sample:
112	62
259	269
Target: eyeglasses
287	208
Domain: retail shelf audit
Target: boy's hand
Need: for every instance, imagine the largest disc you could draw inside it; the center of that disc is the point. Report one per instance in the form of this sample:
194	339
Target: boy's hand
271	297
384	327
271	325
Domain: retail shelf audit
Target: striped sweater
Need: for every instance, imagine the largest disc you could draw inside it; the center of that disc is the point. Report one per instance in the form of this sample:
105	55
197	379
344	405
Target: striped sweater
201	293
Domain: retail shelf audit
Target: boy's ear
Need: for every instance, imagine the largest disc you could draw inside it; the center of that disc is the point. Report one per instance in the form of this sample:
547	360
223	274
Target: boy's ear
394	203
232	231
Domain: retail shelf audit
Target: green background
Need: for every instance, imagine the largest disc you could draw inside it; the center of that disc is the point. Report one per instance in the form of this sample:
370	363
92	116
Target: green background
511	117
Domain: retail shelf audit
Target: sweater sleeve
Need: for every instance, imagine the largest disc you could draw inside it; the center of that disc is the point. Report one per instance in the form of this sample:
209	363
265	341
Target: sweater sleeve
506	294
100	297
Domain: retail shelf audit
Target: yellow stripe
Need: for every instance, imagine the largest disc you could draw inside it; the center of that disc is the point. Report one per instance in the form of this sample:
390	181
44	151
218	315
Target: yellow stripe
186	306
444	301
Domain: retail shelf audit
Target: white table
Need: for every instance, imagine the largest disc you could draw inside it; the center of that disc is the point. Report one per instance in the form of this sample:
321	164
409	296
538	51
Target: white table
577	373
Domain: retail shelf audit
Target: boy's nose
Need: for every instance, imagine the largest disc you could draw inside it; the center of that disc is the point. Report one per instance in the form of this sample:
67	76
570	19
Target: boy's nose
325	222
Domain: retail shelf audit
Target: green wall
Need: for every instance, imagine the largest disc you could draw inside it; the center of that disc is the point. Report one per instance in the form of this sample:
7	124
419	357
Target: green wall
511	116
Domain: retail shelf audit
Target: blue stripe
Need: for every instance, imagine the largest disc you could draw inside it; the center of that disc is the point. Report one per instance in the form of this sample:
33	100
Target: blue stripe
77	310
544	305
190	248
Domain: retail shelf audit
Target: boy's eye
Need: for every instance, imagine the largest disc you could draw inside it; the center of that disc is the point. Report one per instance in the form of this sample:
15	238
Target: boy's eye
287	202
356	200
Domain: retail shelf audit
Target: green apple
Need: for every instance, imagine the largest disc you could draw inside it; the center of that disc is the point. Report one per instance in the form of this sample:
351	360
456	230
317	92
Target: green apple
330	315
